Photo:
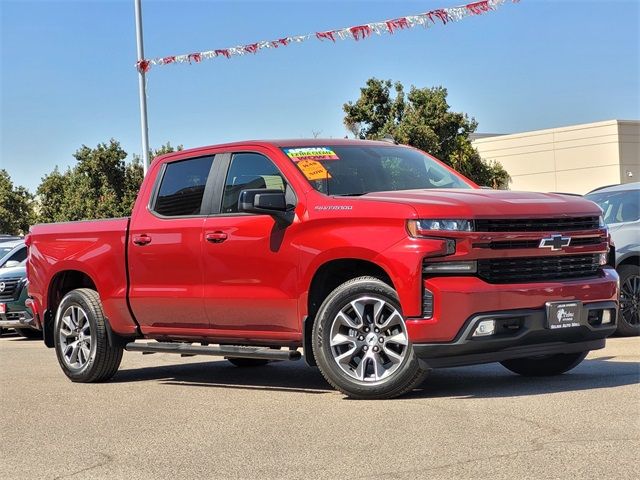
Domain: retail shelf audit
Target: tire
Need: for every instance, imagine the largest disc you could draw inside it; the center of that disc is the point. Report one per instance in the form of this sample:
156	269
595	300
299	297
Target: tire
353	354
80	317
248	362
28	333
545	366
629	316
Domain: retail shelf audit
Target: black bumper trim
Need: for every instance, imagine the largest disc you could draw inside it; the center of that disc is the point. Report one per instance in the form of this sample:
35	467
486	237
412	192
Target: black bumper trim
531	339
508	353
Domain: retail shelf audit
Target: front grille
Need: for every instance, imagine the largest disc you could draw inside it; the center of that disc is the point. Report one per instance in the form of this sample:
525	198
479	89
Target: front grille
8	287
514	244
538	269
538	224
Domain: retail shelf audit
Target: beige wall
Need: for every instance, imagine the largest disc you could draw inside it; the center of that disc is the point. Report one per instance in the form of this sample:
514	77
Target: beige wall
574	159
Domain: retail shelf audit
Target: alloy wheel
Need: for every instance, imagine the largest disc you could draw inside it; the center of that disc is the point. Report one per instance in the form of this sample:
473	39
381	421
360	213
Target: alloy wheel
75	337
368	339
630	300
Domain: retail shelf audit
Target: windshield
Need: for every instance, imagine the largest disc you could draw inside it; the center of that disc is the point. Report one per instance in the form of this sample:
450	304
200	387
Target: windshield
356	170
618	207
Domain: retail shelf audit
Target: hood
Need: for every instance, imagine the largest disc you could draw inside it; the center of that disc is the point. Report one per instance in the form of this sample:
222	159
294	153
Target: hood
481	203
13	272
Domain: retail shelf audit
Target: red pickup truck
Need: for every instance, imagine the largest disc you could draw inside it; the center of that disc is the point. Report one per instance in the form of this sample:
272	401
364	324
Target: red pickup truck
376	259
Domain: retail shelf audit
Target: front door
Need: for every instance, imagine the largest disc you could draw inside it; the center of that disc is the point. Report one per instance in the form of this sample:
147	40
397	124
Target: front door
250	267
165	250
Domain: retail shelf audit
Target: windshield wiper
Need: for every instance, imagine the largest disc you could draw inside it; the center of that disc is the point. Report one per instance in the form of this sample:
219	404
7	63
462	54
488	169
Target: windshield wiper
350	194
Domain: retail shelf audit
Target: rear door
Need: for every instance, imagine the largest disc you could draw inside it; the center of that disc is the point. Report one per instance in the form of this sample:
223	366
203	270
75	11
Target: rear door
165	249
250	266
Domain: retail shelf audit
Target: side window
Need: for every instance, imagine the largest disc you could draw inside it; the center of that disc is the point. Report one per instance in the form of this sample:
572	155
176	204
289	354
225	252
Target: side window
20	255
249	171
182	187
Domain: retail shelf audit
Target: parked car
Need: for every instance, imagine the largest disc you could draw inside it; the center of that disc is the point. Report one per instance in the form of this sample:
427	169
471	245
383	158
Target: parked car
621	212
13	294
12	253
377	259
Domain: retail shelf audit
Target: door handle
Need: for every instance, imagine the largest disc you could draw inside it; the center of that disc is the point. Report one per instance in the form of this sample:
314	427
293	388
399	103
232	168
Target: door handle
215	237
141	240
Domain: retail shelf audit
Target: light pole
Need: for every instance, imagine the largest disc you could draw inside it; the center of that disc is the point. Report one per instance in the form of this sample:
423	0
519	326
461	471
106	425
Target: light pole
142	88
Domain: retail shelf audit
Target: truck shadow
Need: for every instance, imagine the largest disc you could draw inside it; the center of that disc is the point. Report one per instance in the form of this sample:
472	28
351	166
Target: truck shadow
481	381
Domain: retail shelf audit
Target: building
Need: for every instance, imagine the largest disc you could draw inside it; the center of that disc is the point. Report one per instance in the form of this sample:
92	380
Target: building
574	159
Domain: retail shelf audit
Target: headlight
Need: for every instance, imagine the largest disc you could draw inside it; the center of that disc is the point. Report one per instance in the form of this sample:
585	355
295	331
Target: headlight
424	228
601	223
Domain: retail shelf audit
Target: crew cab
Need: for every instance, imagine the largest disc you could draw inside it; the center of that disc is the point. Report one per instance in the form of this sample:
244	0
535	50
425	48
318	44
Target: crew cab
376	259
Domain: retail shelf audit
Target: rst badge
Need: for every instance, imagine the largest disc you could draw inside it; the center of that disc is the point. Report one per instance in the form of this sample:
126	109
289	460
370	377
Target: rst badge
555	242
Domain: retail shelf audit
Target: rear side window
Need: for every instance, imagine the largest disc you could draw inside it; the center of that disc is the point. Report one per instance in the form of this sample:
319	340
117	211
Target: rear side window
182	187
249	171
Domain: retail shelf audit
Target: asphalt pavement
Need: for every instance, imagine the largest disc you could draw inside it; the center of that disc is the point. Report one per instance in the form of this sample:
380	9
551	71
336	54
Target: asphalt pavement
163	416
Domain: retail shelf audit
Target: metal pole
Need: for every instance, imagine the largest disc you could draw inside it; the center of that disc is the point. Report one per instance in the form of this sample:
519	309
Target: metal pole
142	89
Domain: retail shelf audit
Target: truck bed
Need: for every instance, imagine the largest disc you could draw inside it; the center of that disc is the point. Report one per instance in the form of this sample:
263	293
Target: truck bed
98	247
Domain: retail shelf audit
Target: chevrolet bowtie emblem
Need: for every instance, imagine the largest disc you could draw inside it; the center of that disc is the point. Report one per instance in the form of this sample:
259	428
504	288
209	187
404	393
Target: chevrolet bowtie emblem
555	242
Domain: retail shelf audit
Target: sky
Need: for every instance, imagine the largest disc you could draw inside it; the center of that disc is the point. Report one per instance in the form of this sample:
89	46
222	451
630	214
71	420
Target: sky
67	74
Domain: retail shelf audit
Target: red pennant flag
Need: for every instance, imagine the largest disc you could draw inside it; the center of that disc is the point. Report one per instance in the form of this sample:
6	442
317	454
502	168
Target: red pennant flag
397	24
329	35
360	32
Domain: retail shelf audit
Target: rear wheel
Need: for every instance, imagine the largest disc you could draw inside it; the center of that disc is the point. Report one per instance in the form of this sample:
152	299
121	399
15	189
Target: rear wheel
629	321
81	340
544	366
28	333
361	343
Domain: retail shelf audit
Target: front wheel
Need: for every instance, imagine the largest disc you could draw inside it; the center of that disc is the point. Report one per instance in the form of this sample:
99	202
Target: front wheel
544	366
80	335
361	344
629	320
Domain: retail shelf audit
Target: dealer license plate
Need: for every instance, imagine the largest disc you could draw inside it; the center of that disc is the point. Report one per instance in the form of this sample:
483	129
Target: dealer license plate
563	314
3	308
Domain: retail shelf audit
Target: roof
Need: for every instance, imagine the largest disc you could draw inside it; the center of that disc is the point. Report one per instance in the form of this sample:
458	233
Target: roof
617	188
293	142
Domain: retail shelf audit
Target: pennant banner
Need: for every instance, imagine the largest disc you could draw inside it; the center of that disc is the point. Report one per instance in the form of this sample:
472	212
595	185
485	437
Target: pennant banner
357	32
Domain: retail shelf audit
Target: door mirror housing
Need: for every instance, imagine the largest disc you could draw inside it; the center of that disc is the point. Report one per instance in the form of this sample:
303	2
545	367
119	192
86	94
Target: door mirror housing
11	264
266	202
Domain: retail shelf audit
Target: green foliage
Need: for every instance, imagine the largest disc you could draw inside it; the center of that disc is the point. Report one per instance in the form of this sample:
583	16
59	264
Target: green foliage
100	185
16	207
422	118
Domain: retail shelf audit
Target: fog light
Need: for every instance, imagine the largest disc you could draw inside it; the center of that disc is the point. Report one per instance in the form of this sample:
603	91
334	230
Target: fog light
606	316
603	259
485	328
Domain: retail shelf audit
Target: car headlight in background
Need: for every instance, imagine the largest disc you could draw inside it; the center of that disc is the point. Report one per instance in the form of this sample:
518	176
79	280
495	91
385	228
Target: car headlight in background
425	228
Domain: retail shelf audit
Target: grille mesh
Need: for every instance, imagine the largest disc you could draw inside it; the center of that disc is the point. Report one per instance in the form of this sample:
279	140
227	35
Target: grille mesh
10	287
538	224
538	269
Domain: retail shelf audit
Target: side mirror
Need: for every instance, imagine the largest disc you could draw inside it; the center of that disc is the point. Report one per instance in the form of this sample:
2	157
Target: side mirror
11	264
266	202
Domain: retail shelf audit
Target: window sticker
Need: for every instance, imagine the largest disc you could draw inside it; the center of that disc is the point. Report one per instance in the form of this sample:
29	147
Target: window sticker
308	153
313	170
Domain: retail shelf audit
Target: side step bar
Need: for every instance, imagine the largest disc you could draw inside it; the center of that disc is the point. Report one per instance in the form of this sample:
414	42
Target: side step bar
187	349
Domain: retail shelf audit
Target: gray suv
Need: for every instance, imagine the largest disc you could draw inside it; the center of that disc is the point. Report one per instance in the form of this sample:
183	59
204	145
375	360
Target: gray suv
621	211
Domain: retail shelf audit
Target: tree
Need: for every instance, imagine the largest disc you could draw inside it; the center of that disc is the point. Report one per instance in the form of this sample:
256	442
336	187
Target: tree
422	118
100	185
16	207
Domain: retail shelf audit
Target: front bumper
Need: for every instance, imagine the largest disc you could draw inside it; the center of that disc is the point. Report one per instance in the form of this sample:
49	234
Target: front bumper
457	299
525	336
17	319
